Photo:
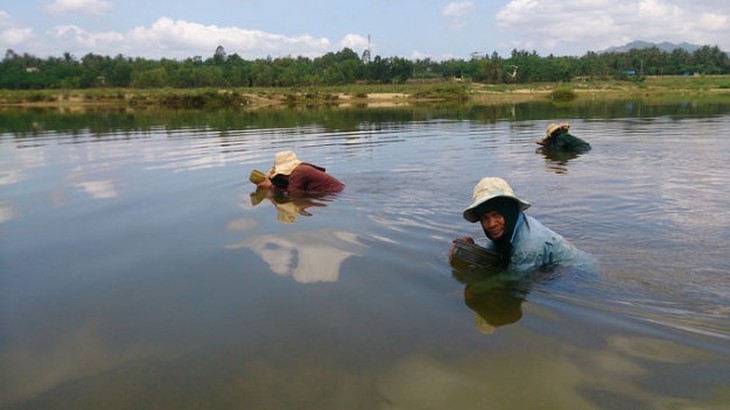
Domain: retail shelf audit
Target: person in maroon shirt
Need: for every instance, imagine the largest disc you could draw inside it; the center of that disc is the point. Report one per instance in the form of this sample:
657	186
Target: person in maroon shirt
299	178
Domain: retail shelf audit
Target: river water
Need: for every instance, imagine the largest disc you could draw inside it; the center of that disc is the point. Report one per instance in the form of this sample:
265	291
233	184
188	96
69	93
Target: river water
139	271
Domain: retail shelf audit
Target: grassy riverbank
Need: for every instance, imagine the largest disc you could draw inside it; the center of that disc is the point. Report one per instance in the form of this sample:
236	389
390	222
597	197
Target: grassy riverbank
378	95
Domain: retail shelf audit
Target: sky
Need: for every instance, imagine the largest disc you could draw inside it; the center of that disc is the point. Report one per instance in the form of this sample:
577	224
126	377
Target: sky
412	29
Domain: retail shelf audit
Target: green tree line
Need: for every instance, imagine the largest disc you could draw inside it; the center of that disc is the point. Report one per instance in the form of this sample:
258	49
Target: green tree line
27	72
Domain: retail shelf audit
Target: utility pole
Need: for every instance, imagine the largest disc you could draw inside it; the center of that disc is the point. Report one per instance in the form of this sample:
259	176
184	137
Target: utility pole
366	54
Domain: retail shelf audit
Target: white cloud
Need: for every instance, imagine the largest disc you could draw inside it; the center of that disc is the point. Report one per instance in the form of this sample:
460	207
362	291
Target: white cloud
713	21
517	45
82	6
92	42
419	55
354	41
457	12
181	38
5	19
458	9
10	33
15	36
602	23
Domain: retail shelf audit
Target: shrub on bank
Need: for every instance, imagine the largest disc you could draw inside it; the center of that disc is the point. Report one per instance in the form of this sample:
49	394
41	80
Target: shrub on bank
202	100
562	94
444	92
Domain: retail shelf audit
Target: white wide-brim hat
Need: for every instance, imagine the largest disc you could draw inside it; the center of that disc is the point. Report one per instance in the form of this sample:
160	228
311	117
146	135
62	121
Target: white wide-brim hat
490	188
552	127
285	162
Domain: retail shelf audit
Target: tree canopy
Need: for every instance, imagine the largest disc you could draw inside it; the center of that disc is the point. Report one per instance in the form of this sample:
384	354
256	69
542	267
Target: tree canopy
345	67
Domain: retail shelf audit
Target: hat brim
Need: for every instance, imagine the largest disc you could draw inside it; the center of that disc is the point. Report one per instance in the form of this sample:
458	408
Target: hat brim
471	215
287	168
285	162
555	127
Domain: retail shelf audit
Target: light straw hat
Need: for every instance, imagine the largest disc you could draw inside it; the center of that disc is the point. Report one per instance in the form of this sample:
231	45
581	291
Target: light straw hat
285	162
552	127
489	188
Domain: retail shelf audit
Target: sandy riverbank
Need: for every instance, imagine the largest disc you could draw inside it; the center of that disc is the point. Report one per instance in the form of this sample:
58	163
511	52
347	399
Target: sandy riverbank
482	94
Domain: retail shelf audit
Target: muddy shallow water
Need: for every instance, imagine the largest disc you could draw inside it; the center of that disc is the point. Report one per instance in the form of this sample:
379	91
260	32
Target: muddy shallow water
139	272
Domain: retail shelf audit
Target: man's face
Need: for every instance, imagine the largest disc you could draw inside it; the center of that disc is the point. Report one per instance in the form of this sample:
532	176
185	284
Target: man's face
493	224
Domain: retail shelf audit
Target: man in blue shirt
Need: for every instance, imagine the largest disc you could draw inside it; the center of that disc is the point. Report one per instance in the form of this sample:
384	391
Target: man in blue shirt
521	240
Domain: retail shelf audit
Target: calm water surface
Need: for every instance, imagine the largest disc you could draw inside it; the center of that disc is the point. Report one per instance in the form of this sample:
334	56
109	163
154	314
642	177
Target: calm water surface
138	271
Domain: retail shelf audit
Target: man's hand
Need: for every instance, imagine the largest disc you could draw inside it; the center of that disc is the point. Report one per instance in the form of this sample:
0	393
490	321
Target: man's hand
467	239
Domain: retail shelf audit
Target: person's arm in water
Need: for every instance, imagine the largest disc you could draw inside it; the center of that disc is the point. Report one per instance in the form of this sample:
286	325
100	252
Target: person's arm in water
467	239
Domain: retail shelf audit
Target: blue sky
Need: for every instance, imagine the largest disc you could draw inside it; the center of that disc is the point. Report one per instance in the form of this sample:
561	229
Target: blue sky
405	28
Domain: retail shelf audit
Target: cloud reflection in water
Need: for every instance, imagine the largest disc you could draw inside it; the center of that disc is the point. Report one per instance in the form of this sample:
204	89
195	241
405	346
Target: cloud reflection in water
308	257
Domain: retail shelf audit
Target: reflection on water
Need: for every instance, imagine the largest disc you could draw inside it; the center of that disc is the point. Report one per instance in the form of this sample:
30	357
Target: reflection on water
98	189
139	270
6	211
496	296
495	300
288	207
557	161
306	256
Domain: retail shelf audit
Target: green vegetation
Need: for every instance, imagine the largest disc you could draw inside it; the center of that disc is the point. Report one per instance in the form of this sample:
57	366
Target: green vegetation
212	98
443	92
345	68
228	81
562	94
207	99
662	87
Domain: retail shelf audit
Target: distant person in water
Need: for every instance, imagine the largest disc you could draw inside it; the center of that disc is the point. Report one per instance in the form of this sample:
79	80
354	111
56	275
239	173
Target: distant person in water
521	240
559	139
295	177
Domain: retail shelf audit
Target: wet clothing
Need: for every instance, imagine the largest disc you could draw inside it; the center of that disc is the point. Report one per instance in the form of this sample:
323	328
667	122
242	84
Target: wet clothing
311	179
563	141
534	246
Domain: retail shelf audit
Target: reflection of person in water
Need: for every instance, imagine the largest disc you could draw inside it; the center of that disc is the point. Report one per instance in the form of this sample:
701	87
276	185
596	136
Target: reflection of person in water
495	299
288	207
293	176
557	161
293	186
519	252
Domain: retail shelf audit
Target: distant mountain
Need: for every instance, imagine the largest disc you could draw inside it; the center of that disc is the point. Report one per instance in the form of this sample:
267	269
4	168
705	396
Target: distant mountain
663	46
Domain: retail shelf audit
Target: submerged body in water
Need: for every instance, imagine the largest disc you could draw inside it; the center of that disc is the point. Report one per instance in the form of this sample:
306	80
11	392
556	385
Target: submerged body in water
521	241
293	176
559	140
519	250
